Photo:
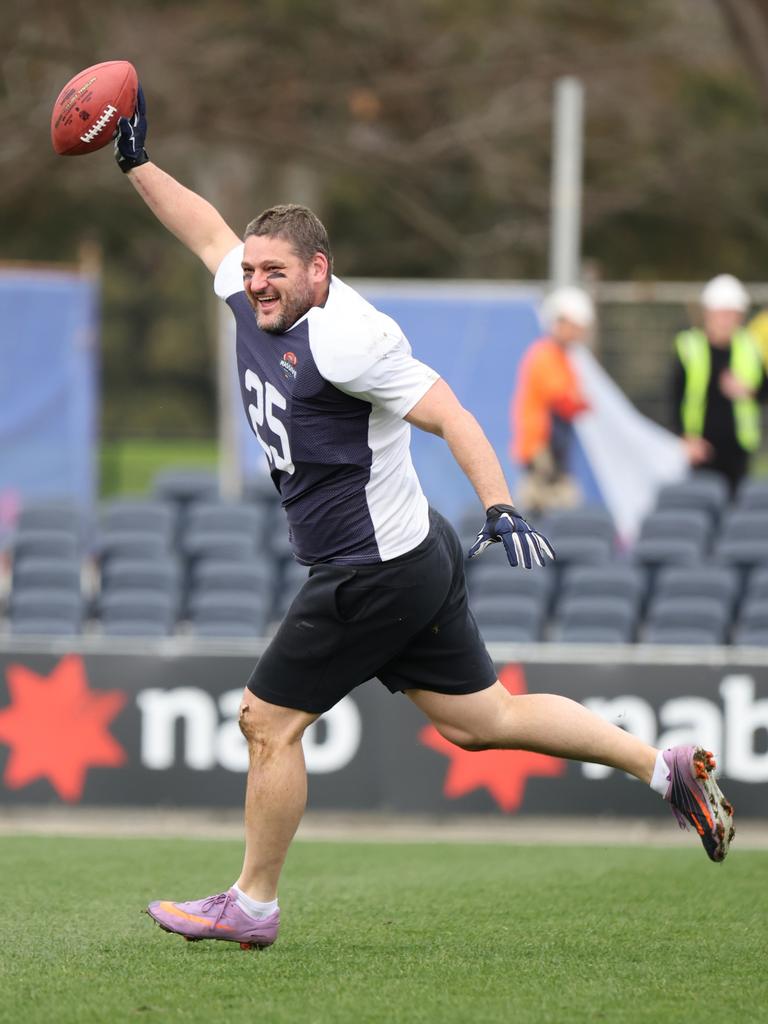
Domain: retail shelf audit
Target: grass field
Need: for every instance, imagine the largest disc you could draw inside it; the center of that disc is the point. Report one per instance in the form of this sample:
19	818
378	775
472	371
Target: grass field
388	933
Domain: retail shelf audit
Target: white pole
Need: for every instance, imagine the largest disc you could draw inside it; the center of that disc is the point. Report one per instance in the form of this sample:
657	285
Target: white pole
567	147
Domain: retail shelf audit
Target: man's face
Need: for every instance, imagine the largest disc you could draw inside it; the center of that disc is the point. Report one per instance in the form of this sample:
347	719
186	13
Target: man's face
568	332
720	324
279	286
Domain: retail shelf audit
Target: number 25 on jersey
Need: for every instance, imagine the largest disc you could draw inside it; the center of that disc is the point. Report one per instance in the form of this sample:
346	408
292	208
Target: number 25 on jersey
266	400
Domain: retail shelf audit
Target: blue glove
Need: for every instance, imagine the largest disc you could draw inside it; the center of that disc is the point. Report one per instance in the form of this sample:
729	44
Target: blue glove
130	137
522	544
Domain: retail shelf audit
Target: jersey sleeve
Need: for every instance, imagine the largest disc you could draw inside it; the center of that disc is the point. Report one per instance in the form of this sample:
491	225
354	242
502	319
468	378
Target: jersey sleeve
395	382
229	275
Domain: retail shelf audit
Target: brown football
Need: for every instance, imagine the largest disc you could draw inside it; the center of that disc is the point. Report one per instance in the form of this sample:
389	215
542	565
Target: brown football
89	106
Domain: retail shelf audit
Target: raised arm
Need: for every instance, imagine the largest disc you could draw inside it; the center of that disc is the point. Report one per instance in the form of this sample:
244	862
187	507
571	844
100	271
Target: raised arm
187	215
440	412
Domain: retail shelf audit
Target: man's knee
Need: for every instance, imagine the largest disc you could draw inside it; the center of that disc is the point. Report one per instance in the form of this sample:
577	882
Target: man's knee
268	727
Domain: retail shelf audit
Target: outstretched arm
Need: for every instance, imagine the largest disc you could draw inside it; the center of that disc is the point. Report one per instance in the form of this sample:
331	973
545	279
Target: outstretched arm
187	215
440	412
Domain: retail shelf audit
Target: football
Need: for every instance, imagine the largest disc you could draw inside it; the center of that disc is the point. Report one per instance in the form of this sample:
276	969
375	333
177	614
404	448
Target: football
89	106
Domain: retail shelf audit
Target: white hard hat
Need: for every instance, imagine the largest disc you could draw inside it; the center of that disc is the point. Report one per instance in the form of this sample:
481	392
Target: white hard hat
725	292
569	303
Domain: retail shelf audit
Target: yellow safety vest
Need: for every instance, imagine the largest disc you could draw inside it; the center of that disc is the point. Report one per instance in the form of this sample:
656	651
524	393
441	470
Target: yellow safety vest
693	349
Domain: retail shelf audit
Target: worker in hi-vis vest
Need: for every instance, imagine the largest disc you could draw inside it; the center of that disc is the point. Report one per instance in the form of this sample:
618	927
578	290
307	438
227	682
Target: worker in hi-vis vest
717	382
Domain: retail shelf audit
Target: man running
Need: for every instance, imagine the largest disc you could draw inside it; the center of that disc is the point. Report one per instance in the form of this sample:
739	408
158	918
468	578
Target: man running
331	389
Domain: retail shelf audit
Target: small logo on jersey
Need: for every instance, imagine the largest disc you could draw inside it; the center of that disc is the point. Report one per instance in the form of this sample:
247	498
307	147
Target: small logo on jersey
288	365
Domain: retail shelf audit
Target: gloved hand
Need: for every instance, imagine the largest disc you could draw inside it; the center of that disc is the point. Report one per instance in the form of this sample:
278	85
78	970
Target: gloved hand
130	137
522	544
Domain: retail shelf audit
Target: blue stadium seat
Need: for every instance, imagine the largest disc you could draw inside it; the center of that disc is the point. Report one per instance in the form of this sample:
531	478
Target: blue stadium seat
45	543
213	517
182	486
619	581
753	620
586	521
667	617
738	524
699	491
595	616
221	544
752	496
715	581
51	515
745	554
137	612
161	575
514	621
53	573
496	577
676	524
654	553
137	516
224	613
135	544
593	634
256	575
46	605
580	551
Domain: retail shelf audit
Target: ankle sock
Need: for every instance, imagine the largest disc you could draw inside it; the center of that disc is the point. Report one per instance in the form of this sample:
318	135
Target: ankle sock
661	775
253	907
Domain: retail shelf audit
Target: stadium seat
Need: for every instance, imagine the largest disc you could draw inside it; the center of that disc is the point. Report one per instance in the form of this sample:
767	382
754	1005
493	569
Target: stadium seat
580	551
738	524
715	581
182	486
677	524
229	613
221	544
46	515
707	617
752	496
46	605
41	627
654	553
753	619
225	517
587	521
137	612
689	636
133	544
514	621
53	573
496	577
593	634
161	575
45	543
757	587
291	579
744	637
254	576
594	616
135	516
619	580
743	553
700	491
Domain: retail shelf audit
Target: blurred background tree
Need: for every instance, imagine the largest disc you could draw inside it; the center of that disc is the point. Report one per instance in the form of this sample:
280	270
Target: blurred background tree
419	130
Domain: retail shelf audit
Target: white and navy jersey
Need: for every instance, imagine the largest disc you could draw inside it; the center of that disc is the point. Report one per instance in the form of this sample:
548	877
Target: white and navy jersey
326	401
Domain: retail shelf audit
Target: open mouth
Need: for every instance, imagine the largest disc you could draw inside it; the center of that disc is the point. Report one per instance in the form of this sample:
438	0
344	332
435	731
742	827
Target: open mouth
267	303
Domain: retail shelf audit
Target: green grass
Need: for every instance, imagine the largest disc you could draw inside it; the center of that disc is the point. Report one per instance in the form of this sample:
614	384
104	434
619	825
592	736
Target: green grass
388	933
128	466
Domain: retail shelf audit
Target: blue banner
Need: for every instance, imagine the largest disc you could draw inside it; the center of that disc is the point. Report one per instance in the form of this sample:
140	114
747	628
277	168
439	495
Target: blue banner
48	391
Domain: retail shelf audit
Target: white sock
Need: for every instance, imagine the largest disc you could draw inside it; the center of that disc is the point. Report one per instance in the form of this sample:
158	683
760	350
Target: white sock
661	775
253	907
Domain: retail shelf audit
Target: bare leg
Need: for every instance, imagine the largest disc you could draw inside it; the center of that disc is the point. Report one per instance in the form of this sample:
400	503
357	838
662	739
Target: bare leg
276	791
542	722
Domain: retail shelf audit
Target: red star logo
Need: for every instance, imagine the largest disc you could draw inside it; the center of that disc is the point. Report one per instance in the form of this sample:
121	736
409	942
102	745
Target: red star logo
57	728
502	772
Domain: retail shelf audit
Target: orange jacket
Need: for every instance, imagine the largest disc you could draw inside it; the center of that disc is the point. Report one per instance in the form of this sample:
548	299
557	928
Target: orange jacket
546	384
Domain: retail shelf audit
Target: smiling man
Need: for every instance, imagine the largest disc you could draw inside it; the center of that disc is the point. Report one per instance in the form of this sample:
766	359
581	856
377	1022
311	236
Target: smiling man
331	387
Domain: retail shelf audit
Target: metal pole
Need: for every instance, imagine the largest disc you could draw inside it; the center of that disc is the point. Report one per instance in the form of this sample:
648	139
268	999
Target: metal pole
567	146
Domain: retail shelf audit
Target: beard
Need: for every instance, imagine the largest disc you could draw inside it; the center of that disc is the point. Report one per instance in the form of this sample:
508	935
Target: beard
293	306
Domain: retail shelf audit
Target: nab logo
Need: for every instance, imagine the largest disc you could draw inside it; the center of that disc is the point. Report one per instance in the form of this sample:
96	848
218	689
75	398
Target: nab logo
57	728
503	773
288	364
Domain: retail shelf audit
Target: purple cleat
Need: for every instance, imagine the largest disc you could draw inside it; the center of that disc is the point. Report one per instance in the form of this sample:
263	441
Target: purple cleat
216	917
696	798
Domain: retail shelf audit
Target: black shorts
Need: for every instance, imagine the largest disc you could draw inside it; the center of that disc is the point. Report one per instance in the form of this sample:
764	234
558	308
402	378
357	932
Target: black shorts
405	621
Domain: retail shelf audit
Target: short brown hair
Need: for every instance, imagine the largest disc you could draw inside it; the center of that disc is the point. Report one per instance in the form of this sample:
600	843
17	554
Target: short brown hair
299	226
